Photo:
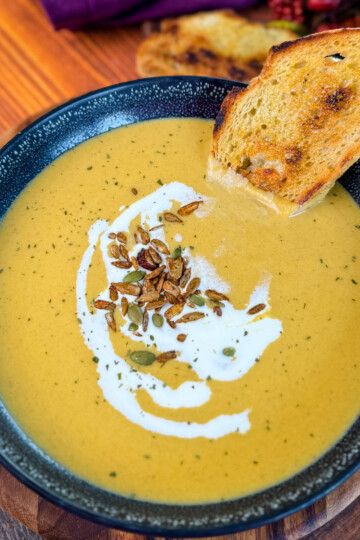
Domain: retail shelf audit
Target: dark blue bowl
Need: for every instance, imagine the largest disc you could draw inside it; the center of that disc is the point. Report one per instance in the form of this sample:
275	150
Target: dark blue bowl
20	161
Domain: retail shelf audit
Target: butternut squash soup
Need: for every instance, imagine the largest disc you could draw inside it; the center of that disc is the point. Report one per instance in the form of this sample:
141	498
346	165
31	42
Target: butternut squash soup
168	338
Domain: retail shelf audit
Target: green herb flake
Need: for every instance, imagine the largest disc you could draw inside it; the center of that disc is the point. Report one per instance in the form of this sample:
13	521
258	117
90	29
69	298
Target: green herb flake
228	351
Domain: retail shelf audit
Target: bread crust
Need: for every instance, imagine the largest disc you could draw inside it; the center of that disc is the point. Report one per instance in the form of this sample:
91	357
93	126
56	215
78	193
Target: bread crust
301	149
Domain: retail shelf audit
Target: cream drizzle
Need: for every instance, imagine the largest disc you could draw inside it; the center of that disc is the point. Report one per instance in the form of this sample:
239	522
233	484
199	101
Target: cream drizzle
203	347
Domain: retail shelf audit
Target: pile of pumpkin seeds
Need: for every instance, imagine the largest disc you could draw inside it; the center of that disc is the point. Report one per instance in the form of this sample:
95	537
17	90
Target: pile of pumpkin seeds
161	286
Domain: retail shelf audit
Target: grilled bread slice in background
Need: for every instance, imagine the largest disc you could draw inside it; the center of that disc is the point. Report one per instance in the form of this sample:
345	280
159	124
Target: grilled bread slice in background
296	128
217	43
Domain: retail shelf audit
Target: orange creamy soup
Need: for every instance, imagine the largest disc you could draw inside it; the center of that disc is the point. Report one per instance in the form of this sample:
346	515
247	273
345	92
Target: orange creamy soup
243	372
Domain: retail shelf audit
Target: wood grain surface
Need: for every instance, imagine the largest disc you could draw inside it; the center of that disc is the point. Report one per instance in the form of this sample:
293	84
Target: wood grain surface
40	68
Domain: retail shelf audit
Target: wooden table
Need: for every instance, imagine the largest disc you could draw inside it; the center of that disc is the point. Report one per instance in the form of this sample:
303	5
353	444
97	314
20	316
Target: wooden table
40	68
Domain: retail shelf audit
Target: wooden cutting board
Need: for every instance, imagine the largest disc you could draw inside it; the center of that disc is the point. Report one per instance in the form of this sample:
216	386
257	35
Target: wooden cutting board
335	517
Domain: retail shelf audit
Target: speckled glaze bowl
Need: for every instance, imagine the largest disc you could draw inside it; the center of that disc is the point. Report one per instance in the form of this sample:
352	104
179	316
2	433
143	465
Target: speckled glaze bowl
20	161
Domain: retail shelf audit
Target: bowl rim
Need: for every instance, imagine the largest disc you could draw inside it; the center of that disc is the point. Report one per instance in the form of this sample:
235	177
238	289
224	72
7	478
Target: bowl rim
116	523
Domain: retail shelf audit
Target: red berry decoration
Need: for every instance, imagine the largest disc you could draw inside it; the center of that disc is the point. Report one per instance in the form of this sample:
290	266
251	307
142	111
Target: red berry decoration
144	261
327	26
289	10
322	5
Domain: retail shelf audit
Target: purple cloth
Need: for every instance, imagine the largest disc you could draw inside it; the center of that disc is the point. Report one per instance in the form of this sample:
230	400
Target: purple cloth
77	13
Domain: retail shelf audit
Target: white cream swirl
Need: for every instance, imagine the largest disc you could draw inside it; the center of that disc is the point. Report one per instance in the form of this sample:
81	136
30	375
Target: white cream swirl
202	350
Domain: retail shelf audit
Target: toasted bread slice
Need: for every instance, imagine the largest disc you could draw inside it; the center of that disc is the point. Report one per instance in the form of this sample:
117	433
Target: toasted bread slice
296	128
217	43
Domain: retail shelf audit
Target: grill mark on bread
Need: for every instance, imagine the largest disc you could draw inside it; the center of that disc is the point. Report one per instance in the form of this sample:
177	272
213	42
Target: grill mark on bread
293	155
338	100
311	192
208	44
225	107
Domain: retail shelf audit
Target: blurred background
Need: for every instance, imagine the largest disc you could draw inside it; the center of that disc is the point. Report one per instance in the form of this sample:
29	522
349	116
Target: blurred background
53	50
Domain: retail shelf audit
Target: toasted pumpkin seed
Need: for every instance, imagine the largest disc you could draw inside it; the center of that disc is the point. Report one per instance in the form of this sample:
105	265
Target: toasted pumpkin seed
164	357
124	252
156	227
144	235
110	319
135	314
133	277
148	286
149	296
158	320
122	264
169	287
177	252
256	309
133	327
215	295
189	317
145	321
121	237
124	305
160	246
155	304
172	218
175	267
185	277
114	295
175	309
154	255
115	252
134	263
160	283
104	304
155	272
127	288
228	351
171	298
192	286
189	208
143	358
197	300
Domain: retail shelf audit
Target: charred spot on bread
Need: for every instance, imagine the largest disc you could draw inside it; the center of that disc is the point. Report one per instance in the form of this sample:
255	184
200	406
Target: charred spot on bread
310	193
236	73
208	54
339	99
255	64
282	47
267	179
191	57
219	120
226	104
293	155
